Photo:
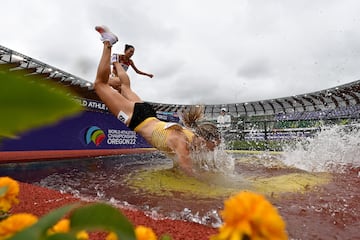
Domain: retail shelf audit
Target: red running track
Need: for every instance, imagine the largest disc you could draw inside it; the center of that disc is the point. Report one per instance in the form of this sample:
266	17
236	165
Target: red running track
40	201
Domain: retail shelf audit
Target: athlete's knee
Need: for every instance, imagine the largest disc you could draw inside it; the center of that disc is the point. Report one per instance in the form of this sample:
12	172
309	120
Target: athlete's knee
125	88
99	84
115	83
124	78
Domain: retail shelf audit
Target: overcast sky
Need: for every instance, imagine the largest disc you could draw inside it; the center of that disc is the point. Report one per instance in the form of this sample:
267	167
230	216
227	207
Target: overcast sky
200	51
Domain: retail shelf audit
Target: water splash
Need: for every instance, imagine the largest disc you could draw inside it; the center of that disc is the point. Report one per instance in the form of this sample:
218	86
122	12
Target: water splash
210	218
213	161
333	149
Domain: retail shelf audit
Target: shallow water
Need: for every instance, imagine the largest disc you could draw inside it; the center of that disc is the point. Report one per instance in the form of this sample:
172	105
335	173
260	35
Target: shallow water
314	184
311	203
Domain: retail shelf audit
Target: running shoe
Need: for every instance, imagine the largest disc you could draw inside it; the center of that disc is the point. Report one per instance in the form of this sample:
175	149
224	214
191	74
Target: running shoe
106	35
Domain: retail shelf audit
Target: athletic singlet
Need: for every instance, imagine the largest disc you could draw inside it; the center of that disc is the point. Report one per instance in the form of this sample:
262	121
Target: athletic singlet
124	66
161	132
120	58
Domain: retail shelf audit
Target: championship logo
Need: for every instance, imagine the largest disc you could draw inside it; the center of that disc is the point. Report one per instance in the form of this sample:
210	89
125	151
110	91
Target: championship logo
94	134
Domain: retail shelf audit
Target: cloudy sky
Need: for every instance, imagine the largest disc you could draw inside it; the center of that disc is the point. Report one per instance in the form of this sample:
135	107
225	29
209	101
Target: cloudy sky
200	51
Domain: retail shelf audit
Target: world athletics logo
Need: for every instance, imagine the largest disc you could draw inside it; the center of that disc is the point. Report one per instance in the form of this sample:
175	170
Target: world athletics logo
94	134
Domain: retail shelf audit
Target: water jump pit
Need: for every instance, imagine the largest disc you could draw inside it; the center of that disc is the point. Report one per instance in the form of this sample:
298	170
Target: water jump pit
314	204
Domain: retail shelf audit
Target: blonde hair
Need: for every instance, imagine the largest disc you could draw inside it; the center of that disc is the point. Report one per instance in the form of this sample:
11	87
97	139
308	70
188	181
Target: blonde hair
192	118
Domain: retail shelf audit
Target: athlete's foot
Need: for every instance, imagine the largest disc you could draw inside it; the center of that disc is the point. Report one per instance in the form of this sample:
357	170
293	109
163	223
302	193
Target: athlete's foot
106	35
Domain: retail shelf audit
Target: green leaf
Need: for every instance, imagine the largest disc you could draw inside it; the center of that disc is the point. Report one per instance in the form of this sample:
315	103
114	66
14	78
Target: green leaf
30	101
165	237
3	190
39	229
102	216
61	236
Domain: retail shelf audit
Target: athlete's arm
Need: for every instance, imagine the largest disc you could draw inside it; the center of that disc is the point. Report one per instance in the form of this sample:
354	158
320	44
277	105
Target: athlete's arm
177	142
138	71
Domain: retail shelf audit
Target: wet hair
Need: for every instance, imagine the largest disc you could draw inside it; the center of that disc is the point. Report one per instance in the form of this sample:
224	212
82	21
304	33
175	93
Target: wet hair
192	118
128	46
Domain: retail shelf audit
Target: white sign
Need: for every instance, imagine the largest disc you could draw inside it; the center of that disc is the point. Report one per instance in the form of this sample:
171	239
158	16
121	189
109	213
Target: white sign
93	104
120	137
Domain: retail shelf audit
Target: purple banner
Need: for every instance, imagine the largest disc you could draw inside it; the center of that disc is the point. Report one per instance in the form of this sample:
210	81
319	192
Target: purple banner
89	130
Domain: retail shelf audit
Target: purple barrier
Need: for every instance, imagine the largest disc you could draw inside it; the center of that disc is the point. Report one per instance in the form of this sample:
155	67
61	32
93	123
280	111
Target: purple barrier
89	130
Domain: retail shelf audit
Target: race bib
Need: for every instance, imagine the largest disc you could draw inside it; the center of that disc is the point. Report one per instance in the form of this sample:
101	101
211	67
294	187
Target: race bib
114	58
122	117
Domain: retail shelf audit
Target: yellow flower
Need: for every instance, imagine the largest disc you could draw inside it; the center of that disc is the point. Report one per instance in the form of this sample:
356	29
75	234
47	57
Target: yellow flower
144	233
250	215
82	235
16	223
111	236
10	196
141	233
63	226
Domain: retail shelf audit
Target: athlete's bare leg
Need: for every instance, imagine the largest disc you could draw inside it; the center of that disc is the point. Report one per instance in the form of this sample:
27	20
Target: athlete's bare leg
115	83
112	99
125	84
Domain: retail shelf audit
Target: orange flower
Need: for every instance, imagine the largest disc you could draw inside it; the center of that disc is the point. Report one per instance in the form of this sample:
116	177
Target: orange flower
144	233
111	236
63	226
9	197
250	215
16	223
141	233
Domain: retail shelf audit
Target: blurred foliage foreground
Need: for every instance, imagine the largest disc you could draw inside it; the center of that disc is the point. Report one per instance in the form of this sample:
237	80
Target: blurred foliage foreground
29	101
246	216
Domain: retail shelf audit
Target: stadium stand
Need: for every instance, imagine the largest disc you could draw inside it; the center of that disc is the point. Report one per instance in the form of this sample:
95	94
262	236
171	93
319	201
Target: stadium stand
334	103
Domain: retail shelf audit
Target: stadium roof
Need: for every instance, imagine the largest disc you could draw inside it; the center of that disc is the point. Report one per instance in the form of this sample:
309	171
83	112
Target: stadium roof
332	98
